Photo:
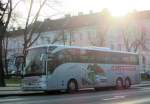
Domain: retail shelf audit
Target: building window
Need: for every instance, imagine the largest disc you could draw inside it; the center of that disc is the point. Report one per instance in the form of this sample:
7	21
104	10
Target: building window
112	46
119	47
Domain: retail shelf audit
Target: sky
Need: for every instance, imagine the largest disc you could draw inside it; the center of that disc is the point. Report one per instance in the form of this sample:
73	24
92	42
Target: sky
116	7
62	7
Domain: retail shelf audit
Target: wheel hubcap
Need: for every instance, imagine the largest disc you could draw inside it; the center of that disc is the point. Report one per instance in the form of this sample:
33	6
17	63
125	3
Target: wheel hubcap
127	84
72	86
119	84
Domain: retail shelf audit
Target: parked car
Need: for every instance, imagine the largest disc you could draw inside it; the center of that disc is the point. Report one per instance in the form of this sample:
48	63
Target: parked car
147	73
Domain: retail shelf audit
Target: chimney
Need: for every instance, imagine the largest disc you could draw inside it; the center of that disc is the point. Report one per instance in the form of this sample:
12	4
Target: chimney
13	28
19	28
47	19
80	13
91	12
67	15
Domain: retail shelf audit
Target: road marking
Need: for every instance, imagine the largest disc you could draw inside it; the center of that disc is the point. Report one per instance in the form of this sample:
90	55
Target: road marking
114	95
9	100
137	101
146	88
114	98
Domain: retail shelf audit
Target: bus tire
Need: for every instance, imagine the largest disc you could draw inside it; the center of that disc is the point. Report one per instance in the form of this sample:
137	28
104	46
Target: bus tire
127	83
72	86
97	89
119	84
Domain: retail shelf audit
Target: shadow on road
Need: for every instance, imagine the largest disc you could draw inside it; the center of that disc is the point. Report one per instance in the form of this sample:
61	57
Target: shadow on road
82	91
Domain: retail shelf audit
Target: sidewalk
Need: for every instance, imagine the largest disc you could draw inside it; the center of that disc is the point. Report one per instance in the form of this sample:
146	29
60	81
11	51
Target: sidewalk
15	90
18	93
142	84
10	89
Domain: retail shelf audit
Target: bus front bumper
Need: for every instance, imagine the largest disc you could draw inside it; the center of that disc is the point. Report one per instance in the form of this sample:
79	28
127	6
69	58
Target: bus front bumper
34	87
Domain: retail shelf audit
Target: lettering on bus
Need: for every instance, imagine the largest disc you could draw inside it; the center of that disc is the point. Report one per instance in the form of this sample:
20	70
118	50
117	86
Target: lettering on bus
121	68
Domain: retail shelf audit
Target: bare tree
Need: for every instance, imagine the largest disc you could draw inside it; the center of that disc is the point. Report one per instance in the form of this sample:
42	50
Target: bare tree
6	10
58	37
5	53
134	37
5	15
31	28
142	40
102	33
103	27
128	41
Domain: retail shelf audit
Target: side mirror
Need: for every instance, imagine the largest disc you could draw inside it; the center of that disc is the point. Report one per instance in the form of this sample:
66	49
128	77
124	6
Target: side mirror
43	57
50	56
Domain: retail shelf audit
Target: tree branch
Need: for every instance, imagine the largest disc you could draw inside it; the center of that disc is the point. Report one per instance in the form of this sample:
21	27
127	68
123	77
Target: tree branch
27	21
4	10
9	15
32	42
37	14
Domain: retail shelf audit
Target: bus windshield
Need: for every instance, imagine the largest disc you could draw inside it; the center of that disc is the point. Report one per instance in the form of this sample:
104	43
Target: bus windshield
34	61
34	64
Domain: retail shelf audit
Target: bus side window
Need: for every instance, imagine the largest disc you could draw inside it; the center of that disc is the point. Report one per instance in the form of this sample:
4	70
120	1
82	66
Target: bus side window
83	56
73	55
64	56
126	59
100	57
137	59
89	56
59	56
108	57
115	58
134	60
67	56
52	64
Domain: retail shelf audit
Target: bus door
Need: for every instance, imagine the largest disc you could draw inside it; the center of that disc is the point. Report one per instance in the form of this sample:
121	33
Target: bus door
51	78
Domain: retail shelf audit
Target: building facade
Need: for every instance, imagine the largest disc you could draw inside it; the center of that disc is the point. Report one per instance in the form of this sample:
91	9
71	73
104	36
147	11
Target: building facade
131	33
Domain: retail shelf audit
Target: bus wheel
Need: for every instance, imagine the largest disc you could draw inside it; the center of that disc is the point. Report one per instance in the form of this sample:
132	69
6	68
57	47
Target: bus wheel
119	84
72	86
97	88
127	83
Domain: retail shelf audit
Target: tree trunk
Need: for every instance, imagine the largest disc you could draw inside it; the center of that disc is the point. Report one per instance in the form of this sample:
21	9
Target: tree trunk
24	52
2	76
5	63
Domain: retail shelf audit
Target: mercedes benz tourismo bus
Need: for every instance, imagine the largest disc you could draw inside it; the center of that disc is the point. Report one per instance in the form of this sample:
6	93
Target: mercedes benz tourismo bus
56	67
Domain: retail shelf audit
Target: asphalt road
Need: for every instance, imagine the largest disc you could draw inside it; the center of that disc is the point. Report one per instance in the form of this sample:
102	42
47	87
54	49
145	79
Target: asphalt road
137	95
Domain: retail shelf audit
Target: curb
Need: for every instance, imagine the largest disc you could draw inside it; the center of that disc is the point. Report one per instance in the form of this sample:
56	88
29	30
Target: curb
141	85
30	93
144	85
10	90
21	94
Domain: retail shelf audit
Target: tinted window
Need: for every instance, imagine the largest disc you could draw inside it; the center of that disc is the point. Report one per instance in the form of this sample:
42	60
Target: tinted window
94	56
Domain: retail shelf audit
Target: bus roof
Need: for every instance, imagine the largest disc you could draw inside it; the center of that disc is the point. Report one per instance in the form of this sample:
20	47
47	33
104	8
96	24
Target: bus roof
105	49
67	46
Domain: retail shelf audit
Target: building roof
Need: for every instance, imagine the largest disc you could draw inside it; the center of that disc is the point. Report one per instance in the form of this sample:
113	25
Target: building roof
143	14
15	33
73	22
65	23
70	22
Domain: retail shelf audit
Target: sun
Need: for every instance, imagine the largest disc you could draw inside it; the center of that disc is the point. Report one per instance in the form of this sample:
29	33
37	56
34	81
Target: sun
118	13
119	9
115	7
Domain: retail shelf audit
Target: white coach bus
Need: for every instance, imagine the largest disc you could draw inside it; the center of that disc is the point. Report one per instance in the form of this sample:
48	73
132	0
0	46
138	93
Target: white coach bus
56	67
